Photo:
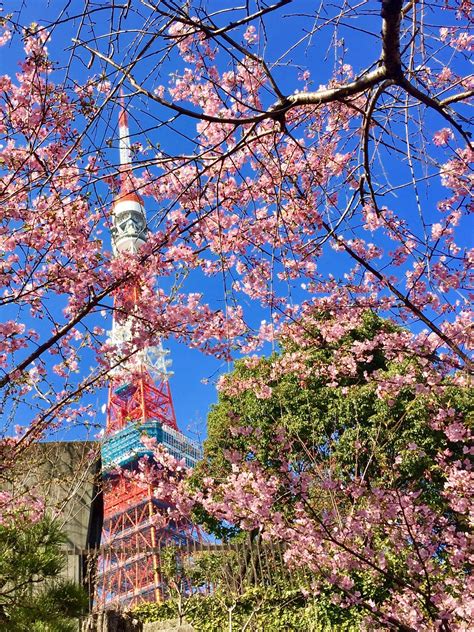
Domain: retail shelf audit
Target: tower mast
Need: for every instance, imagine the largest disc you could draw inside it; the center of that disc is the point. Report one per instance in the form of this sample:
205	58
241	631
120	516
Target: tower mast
139	402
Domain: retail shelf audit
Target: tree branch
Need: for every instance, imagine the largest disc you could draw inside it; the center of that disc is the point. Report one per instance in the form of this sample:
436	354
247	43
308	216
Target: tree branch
435	105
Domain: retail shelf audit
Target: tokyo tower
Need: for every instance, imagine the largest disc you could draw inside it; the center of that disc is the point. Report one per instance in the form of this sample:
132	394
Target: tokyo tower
129	564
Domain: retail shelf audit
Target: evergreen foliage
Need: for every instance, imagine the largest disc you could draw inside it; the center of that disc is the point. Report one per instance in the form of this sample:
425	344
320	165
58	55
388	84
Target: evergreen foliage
33	597
347	428
259	609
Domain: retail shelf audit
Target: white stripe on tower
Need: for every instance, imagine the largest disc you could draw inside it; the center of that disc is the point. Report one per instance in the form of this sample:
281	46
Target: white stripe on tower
129	234
124	137
129	230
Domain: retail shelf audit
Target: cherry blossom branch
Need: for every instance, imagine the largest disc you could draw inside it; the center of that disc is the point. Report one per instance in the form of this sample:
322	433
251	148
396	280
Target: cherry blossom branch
428	597
61	332
215	32
460	96
404	299
211	31
366	134
35	428
389	69
436	105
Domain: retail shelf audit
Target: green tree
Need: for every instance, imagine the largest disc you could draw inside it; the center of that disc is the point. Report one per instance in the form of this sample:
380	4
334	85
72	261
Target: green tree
349	427
375	421
33	596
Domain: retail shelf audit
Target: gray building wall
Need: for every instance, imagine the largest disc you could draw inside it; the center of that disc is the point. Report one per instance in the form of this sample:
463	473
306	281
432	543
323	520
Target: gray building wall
67	475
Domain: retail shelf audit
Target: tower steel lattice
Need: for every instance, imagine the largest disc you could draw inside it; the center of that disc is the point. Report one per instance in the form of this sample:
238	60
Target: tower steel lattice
140	403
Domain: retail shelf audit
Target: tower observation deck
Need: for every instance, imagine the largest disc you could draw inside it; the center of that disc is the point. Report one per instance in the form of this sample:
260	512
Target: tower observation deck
139	403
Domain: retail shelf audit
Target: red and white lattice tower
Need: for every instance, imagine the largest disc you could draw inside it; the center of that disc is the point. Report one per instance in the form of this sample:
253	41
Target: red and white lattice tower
129	564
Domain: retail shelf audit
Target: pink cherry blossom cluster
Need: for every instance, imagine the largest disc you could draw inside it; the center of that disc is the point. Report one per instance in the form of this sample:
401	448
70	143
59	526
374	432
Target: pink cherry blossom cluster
17	509
425	553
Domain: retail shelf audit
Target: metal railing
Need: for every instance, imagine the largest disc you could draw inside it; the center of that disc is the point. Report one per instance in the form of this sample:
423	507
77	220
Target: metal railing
202	567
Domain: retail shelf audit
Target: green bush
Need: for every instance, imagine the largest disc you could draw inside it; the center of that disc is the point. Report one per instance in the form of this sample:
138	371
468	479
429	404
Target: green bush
259	609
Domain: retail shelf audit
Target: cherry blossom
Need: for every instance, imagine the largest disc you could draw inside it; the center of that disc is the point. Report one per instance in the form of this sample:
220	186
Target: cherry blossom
277	190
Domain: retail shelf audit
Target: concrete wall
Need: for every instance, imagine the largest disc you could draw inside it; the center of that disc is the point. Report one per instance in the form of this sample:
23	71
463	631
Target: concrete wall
67	475
167	626
110	621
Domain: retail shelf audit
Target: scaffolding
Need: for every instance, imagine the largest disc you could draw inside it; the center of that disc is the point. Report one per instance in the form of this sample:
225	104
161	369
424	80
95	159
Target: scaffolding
124	446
